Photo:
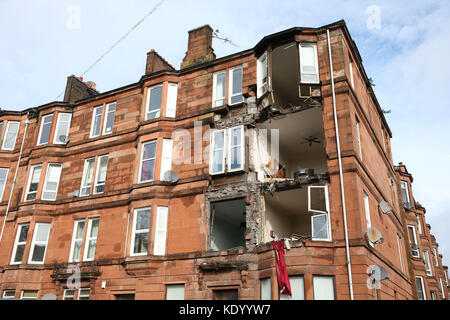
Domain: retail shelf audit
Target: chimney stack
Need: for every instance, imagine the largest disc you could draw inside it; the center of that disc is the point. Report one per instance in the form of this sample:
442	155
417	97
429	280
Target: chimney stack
156	63
199	47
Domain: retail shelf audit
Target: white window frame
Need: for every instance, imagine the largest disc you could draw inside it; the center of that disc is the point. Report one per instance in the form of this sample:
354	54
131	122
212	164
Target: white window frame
67	295
229	147
22	292
3	182
149	159
419	224
426	258
166	158
404	186
94	116
83	295
7	297
358	137
97	172
410	226
316	286
169	296
266	284
446	278
367	213
6	134
44	189
400	252
230	86
212	149
215	98
172	98
352	82
134	232
58	123
262	86
32	168
83	179
162	219
39	143
74	240
423	287
436	260
34	242
297	283
89	239
442	288
321	213
147	106
316	61
17	243
107	113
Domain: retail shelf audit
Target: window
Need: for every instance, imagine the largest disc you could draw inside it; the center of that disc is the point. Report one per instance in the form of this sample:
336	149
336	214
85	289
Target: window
351	74
84	293
442	288
91	240
262	75
100	177
39	243
127	296
318	203
96	121
69	294
88	173
62	128
227	146
51	182
109	118
436	260
77	241
297	288
426	257
400	252
3	177
266	289
172	95
413	241
148	158
175	292
45	130
309	66
154	99
29	295
33	182
12	129
445	276
323	288
235	85
367	212
433	295
419	225
420	288
404	186
219	83
231	294
161	231
166	159
9	294
358	136
20	243
141	231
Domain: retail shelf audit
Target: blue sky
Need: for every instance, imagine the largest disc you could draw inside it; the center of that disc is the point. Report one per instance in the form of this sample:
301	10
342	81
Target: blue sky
407	57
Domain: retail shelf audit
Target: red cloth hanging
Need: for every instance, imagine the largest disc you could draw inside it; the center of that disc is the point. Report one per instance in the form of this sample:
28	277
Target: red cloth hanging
282	275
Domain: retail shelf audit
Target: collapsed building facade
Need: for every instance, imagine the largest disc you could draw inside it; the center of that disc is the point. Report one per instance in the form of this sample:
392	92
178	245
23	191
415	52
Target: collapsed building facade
174	187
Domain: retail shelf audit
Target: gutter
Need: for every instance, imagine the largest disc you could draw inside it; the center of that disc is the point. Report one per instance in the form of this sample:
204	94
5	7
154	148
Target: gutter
15	178
341	176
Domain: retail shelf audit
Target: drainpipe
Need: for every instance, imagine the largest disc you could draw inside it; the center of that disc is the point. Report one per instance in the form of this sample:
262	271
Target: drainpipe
15	178
341	176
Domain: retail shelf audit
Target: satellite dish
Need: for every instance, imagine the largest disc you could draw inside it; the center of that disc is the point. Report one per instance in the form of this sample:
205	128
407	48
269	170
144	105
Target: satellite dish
171	176
414	246
64	139
380	273
49	296
385	207
374	236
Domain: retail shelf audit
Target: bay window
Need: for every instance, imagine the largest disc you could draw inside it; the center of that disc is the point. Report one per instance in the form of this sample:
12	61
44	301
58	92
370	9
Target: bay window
3	177
33	182
77	241
109	118
12	129
45	130
161	231
39	243
309	66
141	232
96	121
20	243
262	75
62	128
147	164
235	85
154	99
51	182
219	83
227	150
318	203
91	239
100	177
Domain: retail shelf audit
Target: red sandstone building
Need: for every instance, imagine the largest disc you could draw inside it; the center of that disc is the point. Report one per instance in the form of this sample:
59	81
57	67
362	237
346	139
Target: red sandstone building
175	186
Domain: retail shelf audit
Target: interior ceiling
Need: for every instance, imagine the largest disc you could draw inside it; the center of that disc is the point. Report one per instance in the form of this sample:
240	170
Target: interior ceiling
294	127
231	212
291	202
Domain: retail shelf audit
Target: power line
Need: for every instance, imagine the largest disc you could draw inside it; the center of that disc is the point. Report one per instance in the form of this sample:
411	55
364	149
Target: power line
118	41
